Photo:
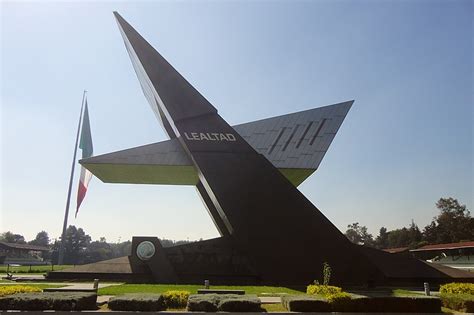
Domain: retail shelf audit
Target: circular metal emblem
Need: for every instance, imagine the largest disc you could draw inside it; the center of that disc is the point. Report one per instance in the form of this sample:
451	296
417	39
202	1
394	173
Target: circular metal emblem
145	250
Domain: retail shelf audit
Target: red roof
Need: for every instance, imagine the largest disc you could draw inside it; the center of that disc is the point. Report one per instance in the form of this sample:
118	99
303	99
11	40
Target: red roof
444	246
395	250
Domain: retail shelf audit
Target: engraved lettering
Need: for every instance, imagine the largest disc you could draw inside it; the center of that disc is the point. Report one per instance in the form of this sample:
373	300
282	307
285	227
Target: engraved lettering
203	136
208	136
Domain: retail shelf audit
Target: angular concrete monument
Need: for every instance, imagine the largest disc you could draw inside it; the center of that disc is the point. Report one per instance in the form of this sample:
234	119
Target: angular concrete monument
247	176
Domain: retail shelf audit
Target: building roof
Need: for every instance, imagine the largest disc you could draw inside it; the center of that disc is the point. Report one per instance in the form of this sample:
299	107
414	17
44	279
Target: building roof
395	250
25	246
445	246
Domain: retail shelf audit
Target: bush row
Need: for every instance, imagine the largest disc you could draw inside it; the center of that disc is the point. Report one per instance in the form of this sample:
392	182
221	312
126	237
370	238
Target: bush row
58	301
137	302
177	299
457	288
12	289
458	302
223	303
149	302
305	303
314	303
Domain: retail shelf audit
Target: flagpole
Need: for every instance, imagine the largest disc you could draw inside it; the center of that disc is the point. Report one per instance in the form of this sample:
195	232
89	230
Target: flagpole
66	212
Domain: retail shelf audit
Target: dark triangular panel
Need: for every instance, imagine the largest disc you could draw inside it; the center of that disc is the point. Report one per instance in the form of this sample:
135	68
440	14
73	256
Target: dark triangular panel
180	99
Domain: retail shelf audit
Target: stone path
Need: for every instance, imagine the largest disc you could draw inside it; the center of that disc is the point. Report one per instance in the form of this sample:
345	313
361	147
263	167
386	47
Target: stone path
85	286
270	299
102	299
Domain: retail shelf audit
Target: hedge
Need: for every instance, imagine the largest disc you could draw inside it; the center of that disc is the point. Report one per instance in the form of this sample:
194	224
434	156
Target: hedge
458	302
389	304
305	303
223	303
137	302
12	289
58	301
239	303
313	303
203	302
457	288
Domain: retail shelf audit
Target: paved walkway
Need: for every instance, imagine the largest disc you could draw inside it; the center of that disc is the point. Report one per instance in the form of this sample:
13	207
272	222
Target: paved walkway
82	286
102	299
270	299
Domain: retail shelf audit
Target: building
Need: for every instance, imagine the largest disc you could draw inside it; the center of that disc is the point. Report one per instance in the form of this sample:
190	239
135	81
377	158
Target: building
455	255
22	254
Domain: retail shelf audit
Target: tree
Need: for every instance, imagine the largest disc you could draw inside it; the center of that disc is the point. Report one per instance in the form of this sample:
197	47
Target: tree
42	239
9	237
398	238
121	249
168	243
381	241
453	224
414	235
75	245
358	234
97	251
404	237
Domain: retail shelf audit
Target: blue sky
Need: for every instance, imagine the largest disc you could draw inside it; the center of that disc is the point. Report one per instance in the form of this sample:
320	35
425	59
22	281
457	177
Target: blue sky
407	141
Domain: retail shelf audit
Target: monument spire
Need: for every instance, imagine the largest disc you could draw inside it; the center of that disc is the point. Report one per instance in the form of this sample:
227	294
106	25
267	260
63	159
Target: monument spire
168	92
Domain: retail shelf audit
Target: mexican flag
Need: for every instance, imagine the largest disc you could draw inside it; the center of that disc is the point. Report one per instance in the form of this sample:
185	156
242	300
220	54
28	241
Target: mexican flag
85	145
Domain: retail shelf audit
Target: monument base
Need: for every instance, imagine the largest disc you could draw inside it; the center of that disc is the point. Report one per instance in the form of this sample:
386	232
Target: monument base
216	260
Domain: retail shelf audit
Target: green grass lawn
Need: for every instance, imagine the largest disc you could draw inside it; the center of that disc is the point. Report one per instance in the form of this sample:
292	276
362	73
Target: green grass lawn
32	269
274	307
402	293
160	288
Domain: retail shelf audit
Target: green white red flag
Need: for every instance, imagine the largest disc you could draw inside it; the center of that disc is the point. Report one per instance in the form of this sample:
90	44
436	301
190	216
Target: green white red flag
85	145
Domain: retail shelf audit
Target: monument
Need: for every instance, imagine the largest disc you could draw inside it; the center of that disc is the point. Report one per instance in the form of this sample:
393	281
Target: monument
247	176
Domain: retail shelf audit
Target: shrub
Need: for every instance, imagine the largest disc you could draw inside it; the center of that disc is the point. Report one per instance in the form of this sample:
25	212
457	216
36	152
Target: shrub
338	297
358	304
137	302
305	303
388	304
239	303
223	302
457	288
344	302
175	298
203	302
59	301
324	290
12	289
458	302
